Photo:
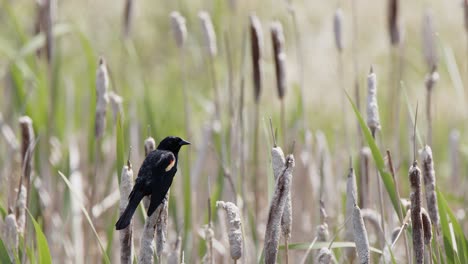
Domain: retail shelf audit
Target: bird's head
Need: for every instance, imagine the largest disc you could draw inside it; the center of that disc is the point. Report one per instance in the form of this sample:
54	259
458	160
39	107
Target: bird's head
172	144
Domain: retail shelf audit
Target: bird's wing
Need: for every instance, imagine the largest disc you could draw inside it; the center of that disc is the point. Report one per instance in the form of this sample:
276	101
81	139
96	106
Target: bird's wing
162	173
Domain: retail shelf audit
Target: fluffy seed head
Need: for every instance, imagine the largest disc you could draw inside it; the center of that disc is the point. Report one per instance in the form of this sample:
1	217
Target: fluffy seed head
279	53
430	184
209	33
324	256
416	205
150	145
338	29
179	29
256	41
235	228
102	86
360	236
373	119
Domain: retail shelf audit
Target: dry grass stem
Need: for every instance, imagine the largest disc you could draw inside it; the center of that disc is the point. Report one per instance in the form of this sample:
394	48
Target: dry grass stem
256	41
102	86
235	228
338	29
209	33
416	205
10	236
126	235
272	234
179	29
360	237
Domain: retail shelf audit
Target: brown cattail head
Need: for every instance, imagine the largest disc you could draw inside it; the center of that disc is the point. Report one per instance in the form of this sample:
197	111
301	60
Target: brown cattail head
150	145
360	236
209	33
102	86
235	228
393	22
427	227
127	17
27	146
324	256
338	29
429	41
430	184
279	53
179	29
373	119
272	234
432	78
416	205
256	41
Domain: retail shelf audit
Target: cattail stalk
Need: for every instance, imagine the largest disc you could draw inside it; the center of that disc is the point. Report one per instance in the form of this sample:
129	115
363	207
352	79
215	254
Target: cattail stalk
430	185
76	180
364	187
235	228
416	204
351	193
360	237
10	236
430	82
279	54
272	234
256	41
126	235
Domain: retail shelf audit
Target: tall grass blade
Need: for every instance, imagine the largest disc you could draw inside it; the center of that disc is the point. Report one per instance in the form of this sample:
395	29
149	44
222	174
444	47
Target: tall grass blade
43	252
88	218
4	258
120	145
379	160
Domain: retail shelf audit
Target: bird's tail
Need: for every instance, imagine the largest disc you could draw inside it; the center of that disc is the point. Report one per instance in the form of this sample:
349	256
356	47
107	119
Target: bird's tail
126	217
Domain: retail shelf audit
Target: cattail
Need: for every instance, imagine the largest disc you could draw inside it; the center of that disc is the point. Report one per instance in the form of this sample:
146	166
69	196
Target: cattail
278	161
127	17
174	255
272	234
21	209
235	228
27	146
209	33
179	29
102	85
364	187
277	38
338	29
427	227
373	120
429	42
44	24
416	204
454	154
150	145
161	225
256	41
126	235
116	104
10	236
393	22
430	184
351	193
360	236
324	256
322	232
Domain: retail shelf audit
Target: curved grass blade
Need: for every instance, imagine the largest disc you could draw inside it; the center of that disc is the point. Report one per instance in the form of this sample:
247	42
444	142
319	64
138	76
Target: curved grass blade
43	252
4	258
106	258
379	161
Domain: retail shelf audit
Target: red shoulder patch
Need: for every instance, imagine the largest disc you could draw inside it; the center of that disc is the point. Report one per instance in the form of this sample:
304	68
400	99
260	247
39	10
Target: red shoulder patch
171	164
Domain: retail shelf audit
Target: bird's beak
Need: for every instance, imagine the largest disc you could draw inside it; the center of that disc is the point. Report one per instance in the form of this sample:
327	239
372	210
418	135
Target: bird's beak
184	142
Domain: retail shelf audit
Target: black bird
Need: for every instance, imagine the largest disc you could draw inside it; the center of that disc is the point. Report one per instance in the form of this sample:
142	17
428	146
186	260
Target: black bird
154	178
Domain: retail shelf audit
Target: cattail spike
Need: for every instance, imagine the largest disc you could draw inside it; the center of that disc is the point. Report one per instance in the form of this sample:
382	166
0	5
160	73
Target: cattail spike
256	41
393	22
102	86
126	235
360	237
429	41
209	33
427	227
10	236
430	184
351	193
373	120
338	29
235	228
416	205
179	29
279	53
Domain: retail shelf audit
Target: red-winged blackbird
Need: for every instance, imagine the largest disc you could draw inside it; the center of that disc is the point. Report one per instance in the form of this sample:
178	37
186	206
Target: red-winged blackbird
154	178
